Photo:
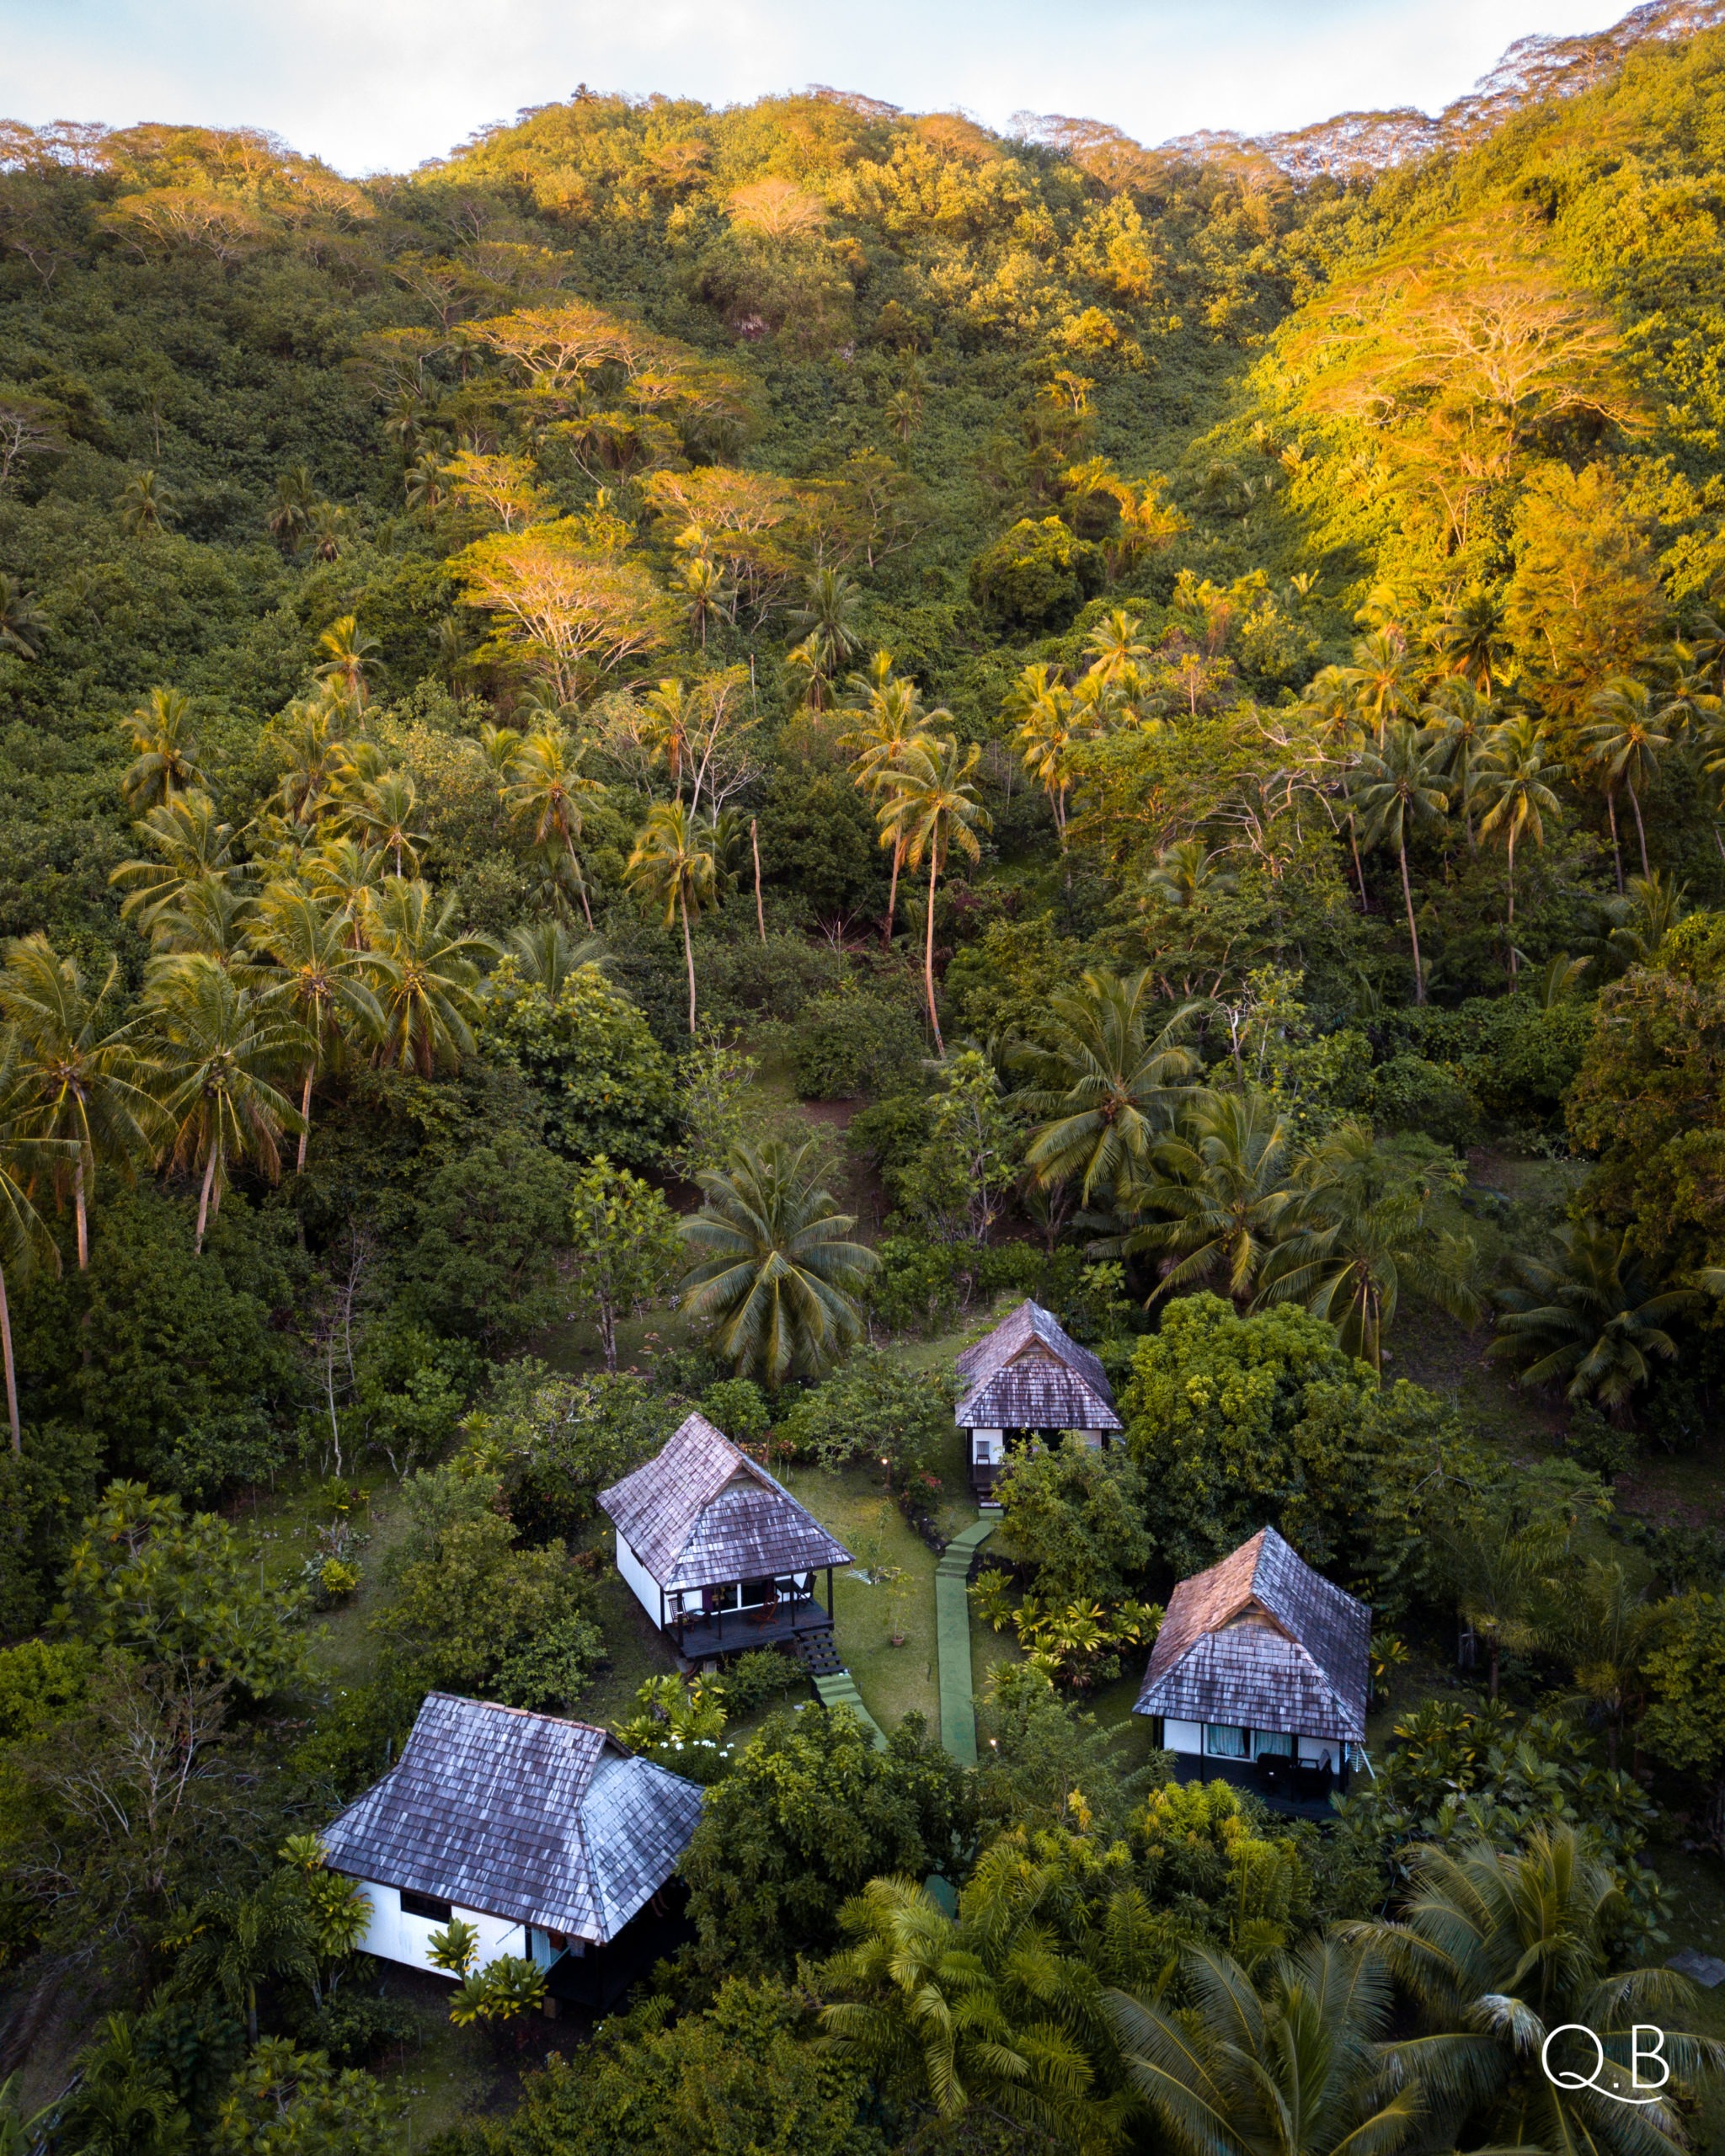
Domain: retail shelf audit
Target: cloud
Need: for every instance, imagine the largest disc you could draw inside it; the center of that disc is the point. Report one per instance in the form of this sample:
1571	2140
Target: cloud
385	84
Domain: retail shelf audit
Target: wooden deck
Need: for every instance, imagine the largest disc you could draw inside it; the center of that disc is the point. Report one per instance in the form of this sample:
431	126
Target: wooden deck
734	1631
1280	1794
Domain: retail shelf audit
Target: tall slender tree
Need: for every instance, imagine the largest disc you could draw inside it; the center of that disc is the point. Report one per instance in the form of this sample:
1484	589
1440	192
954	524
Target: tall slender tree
673	867
318	977
166	763
87	1074
1515	778
547	786
220	1049
25	1241
933	805
1398	788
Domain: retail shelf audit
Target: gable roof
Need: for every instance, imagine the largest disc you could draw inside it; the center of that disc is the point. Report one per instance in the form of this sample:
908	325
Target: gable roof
1029	1374
700	1513
528	1816
1261	1640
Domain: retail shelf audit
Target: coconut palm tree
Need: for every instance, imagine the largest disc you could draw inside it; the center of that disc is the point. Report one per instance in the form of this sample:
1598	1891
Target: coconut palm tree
1221	1191
382	813
1473	639
289	515
25	1241
1500	1948
220	1048
1107	1083
933	805
1590	1315
1625	742
1645	915
1383	682
1513	777
1042	704
827	622
191	844
208	917
22	623
85	1072
318	977
972	2013
167	766
1460	718
1605	1631
1187	874
673	866
1290	2061
1360	1225
1116	648
424	972
772	1265
546	954
147	505
891	721
348	651
547	786
316	759
1398	787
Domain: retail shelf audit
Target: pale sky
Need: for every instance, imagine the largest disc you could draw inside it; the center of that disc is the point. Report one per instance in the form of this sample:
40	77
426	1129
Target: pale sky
375	85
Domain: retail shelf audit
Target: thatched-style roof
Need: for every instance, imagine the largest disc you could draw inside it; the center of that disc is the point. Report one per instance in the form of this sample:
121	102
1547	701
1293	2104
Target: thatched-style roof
526	1816
1262	1642
700	1513
1029	1374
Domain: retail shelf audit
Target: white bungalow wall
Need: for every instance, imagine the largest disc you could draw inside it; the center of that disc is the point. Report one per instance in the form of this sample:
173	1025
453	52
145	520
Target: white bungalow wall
988	1447
1188	1737
643	1586
394	1935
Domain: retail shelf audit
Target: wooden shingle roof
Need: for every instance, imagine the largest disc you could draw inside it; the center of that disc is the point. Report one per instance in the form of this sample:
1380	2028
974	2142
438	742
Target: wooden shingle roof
700	1513
526	1816
1262	1642
1029	1374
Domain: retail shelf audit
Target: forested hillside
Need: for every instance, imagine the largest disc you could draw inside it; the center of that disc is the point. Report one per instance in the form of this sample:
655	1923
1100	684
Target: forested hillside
647	765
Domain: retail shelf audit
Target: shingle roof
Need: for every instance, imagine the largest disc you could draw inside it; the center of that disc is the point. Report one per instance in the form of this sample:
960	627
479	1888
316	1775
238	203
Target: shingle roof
1029	1375
700	1513
527	1817
1262	1642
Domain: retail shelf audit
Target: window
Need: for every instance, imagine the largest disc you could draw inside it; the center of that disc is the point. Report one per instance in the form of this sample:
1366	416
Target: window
1224	1741
425	1905
1277	1741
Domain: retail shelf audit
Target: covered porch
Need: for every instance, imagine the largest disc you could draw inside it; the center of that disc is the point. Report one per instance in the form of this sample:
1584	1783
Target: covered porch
737	1615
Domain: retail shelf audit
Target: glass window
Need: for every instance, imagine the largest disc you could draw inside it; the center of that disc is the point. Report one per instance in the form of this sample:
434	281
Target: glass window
1224	1741
1277	1740
424	1905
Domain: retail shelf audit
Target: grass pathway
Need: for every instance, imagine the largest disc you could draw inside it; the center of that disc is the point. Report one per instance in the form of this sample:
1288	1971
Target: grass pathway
952	1632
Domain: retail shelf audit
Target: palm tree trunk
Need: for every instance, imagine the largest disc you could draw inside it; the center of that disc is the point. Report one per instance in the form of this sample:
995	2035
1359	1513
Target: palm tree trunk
755	847
1413	931
1494	1650
1512	965
1640	831
892	896
1358	872
1616	850
204	1199
928	955
306	1116
688	960
11	1367
81	1212
580	882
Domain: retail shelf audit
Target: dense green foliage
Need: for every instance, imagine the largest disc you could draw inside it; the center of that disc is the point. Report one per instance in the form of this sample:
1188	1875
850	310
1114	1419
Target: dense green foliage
1181	694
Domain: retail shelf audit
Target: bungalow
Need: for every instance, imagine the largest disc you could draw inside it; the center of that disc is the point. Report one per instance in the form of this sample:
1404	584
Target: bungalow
719	1554
1028	1383
547	1836
1260	1674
